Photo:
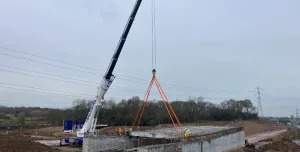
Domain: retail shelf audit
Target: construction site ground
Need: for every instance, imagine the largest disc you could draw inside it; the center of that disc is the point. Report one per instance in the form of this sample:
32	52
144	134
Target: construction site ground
14	142
282	141
26	142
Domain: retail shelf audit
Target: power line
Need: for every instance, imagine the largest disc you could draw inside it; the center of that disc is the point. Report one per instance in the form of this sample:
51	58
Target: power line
188	88
70	81
120	89
80	66
15	85
145	81
90	83
62	66
47	63
72	95
34	89
94	82
63	62
198	89
115	86
60	79
46	77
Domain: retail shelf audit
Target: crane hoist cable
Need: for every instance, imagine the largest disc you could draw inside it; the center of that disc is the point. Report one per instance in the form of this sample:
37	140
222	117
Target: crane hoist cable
166	102
153	35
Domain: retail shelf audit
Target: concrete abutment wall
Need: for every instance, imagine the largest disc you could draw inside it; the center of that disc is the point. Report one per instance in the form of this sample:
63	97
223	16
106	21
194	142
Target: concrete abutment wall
220	144
104	144
219	141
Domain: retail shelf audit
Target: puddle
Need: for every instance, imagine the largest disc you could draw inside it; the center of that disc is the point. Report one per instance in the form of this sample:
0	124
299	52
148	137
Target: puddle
42	137
51	143
297	141
259	144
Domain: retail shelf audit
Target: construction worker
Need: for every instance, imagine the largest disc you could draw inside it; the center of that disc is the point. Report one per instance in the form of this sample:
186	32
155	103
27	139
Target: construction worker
120	131
187	133
129	131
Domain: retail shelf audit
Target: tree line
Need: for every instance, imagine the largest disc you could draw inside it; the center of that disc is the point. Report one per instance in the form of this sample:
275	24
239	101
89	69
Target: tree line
124	112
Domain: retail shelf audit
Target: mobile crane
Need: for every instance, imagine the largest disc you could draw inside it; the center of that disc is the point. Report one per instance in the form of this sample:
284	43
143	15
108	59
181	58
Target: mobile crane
91	120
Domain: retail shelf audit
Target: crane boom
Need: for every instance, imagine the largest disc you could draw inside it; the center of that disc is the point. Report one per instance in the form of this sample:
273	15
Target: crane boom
91	120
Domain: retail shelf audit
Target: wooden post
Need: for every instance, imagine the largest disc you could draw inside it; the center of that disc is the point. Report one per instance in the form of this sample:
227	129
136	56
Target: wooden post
50	131
7	130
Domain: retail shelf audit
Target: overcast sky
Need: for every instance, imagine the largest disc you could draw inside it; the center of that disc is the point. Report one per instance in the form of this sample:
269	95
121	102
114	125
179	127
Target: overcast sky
212	48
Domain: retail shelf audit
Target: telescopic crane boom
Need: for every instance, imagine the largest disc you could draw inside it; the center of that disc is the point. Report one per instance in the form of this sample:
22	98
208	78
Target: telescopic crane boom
91	120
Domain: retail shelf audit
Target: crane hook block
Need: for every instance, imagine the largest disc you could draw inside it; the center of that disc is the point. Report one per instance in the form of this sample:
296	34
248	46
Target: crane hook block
153	71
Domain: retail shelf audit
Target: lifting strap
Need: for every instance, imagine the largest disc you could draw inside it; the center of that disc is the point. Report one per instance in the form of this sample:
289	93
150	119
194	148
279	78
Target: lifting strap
166	102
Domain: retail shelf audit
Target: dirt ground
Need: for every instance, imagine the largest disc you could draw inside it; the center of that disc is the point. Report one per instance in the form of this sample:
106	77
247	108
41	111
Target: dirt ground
15	142
292	133
277	146
254	127
250	127
280	146
50	131
280	143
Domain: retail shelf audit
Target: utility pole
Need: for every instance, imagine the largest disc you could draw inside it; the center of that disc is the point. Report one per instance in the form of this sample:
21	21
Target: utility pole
259	107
